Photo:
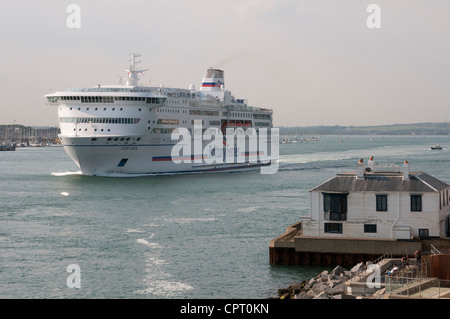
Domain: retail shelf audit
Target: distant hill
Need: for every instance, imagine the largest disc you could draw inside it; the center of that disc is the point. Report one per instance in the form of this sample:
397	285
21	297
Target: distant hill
442	128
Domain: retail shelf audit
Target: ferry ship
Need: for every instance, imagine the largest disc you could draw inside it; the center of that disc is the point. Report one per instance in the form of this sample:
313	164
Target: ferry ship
129	129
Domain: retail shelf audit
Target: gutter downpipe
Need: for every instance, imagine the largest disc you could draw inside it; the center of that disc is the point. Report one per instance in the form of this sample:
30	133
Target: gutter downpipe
318	212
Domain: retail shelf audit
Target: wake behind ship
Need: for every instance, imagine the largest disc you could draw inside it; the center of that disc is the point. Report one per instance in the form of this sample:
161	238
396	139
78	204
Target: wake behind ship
128	129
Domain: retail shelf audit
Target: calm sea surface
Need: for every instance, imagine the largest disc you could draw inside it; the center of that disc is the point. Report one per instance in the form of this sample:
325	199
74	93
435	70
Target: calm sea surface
181	236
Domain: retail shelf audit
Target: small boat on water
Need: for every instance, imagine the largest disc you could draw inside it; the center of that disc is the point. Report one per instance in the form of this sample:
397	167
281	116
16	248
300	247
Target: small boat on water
436	147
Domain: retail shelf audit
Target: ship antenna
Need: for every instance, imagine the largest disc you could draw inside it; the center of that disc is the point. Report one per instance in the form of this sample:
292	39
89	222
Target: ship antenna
133	71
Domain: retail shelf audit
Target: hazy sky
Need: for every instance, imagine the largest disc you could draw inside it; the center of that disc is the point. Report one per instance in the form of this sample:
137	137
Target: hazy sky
314	62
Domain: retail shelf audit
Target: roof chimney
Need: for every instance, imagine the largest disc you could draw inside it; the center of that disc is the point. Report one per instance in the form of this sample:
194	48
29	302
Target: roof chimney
371	164
405	170
360	167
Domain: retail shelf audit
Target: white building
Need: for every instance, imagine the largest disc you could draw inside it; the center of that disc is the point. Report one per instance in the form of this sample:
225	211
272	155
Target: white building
378	203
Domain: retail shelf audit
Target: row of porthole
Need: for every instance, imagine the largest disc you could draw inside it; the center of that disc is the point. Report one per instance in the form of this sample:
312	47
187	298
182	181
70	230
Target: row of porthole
95	130
182	122
104	109
124	139
121	139
162	110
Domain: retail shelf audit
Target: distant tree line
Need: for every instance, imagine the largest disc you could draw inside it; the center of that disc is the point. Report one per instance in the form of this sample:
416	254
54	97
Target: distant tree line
394	129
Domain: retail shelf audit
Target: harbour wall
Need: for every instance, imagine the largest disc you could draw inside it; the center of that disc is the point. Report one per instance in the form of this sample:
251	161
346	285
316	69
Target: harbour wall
440	266
289	256
291	248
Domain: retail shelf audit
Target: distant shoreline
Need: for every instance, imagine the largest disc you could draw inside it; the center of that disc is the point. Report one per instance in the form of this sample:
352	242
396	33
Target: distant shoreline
440	128
429	128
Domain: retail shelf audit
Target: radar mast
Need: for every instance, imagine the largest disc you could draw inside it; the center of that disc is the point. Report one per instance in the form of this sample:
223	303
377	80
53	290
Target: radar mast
133	71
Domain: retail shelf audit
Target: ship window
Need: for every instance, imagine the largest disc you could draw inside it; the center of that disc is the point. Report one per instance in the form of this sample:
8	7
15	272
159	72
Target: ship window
167	121
109	120
261	116
416	203
122	162
199	112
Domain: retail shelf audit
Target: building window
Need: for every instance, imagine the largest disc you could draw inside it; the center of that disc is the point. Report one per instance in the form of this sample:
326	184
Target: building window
335	206
381	203
335	203
335	228
423	233
416	203
370	228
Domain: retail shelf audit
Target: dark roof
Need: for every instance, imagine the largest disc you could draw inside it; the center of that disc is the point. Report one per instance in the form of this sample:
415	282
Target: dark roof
382	182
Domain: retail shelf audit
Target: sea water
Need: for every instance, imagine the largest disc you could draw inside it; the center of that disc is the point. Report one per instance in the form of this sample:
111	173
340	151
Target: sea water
177	236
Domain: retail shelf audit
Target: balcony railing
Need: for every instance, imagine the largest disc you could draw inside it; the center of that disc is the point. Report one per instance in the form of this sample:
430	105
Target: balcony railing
440	249
335	216
427	288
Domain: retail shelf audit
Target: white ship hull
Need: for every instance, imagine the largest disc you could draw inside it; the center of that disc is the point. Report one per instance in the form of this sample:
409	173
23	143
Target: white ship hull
145	159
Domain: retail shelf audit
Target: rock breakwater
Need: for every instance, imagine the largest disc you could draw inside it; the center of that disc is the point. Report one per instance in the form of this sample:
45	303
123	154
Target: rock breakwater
328	285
